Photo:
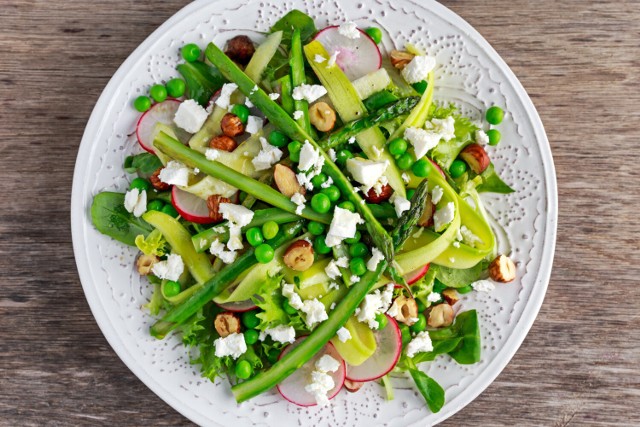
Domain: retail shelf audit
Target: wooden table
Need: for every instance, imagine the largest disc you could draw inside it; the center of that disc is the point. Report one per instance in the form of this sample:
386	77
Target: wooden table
580	62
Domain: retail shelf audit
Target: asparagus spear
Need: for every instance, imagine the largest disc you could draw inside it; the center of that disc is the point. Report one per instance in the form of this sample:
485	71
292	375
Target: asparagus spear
218	283
286	124
296	62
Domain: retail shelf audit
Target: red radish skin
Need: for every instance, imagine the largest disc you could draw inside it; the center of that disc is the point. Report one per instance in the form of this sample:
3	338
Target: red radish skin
385	358
438	167
292	388
357	57
162	112
190	207
415	275
238	307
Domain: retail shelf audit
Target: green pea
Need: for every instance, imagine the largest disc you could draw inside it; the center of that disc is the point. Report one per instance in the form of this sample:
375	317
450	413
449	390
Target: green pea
294	151
421	86
264	253
171	288
342	156
405	161
287	308
169	210
421	306
348	206
457	168
158	93
357	266
332	192
190	52
316	228
375	34
176	87
155	205
421	168
251	336
420	325
254	236
142	103
318	180
464	289
494	136
320	246
241	111
250	319
278	139
358	250
320	203
410	193
140	184
382	321
495	115
406	334
355	239
272	355
270	229
243	369
397	147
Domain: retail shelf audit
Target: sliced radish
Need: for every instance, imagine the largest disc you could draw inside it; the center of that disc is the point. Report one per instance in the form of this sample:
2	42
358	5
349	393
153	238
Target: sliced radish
438	167
162	112
356	57
292	388
238	307
190	207
389	342
417	274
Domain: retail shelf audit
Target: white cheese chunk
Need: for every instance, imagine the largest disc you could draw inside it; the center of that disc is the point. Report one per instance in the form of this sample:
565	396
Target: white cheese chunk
297	115
254	125
135	202
343	226
420	344
373	304
333	59
248	103
174	173
288	291
418	69
400	204
436	194
212	154
321	384
343	334
327	364
422	140
232	345
236	214
481	137
434	297
314	311
469	237
444	127
375	259
299	200
190	116
443	216
280	333
309	93
170	269
274	96
349	30
224	100
366	172
267	157
483	286
319	59
217	249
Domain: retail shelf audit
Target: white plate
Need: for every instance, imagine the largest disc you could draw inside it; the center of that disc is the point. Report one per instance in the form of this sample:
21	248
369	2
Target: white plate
470	73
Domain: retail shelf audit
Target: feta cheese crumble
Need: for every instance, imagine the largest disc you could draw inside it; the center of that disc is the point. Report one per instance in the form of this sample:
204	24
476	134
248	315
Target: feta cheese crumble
232	345
469	237
236	214
175	173
400	204
248	103
343	334
349	30
405	177
327	364
321	384
444	127
333	58
170	269
420	344
280	333
332	154
434	297
443	216
422	140
366	172
297	115
224	100
436	194
319	59
274	96
418	69
135	202
343	226
333	268
288	291
314	311
212	154
267	157
299	200
308	157
328	183
483	286
217	249
375	259
190	116
254	125
481	137
309	93
373	304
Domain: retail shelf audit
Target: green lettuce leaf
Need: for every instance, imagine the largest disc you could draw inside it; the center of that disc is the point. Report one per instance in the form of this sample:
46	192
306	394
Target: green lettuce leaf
153	244
295	20
203	80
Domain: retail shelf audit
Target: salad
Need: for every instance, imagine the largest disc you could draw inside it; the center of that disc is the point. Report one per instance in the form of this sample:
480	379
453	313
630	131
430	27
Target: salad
308	216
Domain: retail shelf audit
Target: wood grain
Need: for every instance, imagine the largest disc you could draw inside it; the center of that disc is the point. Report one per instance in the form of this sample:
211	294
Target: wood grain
579	61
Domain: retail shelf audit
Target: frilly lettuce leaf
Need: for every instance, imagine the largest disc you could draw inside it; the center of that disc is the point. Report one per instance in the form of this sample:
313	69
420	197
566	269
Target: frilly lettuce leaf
153	244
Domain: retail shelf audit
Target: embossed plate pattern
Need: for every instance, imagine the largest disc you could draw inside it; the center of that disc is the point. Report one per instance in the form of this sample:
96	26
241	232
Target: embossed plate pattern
470	73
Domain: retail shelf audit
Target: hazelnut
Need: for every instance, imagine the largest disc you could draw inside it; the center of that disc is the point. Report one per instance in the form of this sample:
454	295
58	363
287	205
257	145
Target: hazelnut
400	58
223	142
231	125
407	310
476	157
440	316
155	181
213	203
145	263
450	296
383	196
502	269
226	324
353	386
426	220
299	255
286	181
322	116
240	49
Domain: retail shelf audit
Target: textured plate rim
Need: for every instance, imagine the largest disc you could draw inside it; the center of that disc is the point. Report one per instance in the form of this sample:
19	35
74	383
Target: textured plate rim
80	212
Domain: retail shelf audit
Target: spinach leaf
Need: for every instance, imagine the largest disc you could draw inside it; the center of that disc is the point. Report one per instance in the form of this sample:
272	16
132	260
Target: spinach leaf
111	218
492	183
432	392
439	347
144	164
466	326
295	19
203	80
457	278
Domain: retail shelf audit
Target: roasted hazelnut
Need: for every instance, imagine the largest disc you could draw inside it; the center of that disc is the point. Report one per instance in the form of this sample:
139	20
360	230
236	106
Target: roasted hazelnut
240	49
213	203
475	156
145	263
400	58
405	310
223	142
440	316
502	269
155	181
299	255
353	386
286	181
226	324
382	196
231	125
450	296
322	116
